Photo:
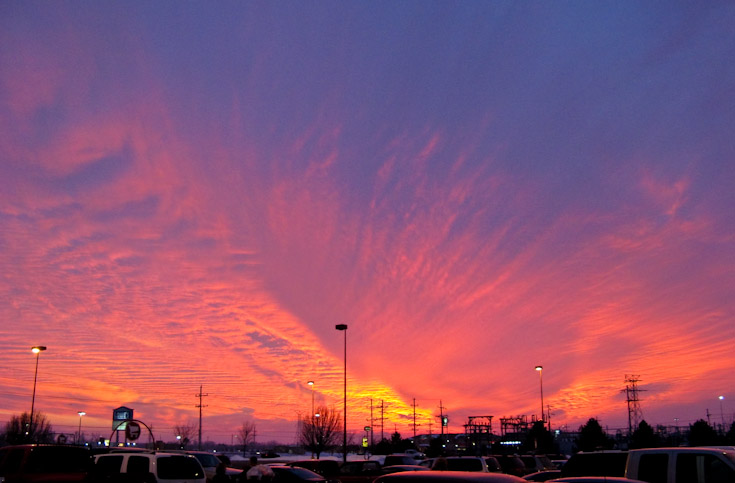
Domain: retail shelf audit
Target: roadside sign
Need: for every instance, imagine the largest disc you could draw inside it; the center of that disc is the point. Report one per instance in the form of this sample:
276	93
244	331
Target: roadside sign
132	431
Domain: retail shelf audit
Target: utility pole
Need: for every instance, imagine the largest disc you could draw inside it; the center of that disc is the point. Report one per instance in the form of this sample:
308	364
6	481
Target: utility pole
382	419
441	416
372	429
200	406
414	419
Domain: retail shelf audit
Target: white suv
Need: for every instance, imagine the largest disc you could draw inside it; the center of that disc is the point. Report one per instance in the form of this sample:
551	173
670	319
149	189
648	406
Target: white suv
147	467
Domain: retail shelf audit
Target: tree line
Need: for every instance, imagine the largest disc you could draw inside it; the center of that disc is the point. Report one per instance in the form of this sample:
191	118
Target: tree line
322	432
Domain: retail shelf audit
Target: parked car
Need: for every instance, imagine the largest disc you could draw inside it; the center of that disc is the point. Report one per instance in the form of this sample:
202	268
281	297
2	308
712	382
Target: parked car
512	465
146	467
447	477
296	474
359	471
493	465
327	468
596	463
386	470
535	463
596	479
399	459
458	463
210	462
30	463
415	454
543	475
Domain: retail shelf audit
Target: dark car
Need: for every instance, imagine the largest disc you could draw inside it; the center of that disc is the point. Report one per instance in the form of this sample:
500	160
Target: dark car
359	471
596	463
543	475
326	468
399	459
210	461
512	465
595	479
447	477
296	474
535	463
387	470
30	463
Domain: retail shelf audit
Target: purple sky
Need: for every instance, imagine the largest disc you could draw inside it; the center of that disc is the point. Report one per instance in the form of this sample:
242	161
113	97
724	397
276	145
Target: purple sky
195	193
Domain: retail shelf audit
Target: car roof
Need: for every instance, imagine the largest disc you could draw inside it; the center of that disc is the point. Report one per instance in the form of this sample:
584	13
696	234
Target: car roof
449	477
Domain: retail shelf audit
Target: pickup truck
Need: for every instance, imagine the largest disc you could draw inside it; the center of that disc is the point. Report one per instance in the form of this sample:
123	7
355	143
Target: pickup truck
682	465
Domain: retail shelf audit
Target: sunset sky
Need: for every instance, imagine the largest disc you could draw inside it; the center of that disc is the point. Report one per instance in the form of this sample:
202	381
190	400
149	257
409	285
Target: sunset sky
196	193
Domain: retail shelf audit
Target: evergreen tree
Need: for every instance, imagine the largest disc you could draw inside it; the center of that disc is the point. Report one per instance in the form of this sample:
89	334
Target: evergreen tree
644	437
730	436
539	440
702	434
592	437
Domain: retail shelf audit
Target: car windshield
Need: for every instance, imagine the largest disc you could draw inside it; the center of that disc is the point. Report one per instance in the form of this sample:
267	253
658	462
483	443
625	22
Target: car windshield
304	474
177	467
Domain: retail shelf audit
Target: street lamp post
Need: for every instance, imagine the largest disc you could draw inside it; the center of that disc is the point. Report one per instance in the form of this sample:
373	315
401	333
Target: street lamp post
36	350
722	413
540	370
79	433
344	440
311	417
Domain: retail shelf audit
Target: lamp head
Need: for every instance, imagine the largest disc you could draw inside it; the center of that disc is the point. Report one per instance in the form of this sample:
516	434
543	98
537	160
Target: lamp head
38	348
341	327
539	368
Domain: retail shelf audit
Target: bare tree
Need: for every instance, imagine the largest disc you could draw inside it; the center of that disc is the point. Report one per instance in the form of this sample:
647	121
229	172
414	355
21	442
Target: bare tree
184	433
246	434
18	430
320	431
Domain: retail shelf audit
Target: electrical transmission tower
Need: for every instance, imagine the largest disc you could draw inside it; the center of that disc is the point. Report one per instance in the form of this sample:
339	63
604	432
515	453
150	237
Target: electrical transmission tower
635	415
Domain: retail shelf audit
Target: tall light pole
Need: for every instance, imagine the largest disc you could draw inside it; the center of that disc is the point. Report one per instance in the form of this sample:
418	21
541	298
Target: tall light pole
344	440
722	414
36	350
540	370
79	433
311	417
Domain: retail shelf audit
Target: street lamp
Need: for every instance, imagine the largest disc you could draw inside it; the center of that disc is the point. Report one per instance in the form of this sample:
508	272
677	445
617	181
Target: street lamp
722	414
540	370
311	383
79	433
344	440
36	350
311	418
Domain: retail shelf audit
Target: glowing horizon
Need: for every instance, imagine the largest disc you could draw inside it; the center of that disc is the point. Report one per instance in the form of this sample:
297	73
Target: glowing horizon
196	195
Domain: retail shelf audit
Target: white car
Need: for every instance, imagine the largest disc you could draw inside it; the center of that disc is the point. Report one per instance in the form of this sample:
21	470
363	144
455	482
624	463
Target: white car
148	466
